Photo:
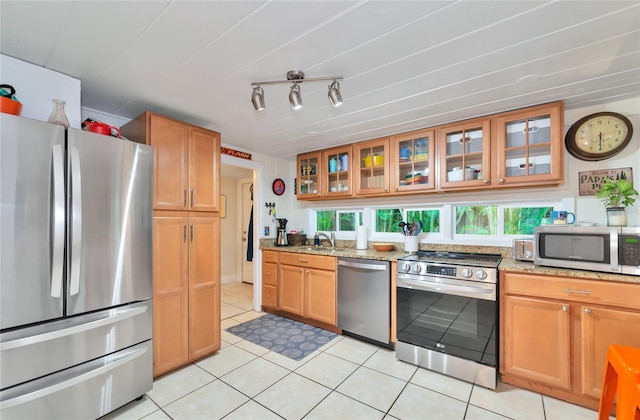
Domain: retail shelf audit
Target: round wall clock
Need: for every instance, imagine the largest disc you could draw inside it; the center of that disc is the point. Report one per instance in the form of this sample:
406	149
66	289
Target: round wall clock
278	186
598	136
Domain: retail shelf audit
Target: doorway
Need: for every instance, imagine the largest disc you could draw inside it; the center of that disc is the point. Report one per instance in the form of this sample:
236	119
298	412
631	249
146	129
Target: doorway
245	195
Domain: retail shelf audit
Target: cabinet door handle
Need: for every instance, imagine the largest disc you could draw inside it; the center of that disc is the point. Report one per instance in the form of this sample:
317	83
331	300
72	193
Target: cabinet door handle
192	198
185	198
579	292
303	261
501	180
565	308
486	181
185	232
307	271
587	311
193	232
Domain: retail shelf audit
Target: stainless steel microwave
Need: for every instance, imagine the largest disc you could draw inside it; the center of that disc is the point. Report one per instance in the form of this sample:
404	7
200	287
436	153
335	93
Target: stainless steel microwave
595	248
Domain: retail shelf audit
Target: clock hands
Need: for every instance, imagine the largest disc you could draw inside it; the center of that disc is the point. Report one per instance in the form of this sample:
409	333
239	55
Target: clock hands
600	140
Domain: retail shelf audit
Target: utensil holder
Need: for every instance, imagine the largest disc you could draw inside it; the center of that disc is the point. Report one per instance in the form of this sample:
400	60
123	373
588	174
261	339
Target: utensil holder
411	244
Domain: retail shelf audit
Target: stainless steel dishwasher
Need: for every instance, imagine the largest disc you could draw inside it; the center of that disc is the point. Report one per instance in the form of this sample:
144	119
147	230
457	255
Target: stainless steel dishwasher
364	300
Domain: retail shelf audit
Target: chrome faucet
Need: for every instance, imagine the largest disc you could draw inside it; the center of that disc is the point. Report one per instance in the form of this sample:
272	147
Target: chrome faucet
331	239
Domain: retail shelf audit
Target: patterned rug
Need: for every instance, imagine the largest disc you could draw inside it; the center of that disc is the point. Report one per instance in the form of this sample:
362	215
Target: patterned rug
290	338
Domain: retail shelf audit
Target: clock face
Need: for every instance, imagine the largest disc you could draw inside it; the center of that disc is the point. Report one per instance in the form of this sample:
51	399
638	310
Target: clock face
278	186
599	136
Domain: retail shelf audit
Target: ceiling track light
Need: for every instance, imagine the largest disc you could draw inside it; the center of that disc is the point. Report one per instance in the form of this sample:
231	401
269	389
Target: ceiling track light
257	98
334	94
295	98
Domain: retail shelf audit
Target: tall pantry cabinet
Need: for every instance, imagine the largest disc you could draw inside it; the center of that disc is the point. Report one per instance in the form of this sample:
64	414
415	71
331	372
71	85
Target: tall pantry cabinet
186	238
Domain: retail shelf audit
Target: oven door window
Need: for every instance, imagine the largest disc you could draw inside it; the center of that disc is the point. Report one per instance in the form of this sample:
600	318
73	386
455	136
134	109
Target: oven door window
459	326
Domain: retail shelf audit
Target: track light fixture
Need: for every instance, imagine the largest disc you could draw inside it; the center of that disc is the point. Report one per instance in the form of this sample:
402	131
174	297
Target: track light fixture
257	98
294	97
334	94
296	77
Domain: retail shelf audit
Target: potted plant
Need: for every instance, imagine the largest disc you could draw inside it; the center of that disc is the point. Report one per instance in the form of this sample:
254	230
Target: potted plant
617	194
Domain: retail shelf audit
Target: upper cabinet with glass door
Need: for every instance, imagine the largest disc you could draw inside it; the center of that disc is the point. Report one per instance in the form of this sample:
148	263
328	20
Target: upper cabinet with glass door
413	157
309	178
464	152
336	172
530	146
371	167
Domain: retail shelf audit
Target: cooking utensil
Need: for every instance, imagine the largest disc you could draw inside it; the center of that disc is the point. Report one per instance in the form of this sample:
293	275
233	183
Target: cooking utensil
102	128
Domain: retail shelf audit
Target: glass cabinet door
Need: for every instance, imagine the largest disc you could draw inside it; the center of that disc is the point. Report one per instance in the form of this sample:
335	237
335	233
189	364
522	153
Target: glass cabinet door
336	172
413	159
465	154
529	144
372	167
309	176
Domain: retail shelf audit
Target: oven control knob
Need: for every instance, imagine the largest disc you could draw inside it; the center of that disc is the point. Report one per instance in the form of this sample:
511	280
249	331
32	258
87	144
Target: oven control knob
417	268
467	273
481	274
406	267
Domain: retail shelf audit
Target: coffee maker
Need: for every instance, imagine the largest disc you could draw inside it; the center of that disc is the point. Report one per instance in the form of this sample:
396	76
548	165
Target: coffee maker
281	239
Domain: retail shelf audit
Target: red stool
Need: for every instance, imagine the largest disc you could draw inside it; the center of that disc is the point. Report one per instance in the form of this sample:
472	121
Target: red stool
622	374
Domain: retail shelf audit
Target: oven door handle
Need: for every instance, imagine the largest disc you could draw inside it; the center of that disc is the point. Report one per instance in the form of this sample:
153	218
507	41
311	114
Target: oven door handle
485	293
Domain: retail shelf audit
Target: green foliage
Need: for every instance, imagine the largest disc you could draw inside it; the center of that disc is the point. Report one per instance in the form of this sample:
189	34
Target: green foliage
523	220
617	193
430	219
326	220
387	220
477	220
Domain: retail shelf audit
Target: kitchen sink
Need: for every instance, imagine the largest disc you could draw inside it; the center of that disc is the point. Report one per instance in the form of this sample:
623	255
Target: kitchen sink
322	248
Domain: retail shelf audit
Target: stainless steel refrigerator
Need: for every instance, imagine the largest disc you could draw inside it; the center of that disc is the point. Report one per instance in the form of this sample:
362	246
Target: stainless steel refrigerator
76	274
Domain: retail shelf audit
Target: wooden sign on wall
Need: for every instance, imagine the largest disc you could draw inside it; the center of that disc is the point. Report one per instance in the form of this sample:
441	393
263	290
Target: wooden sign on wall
590	181
235	153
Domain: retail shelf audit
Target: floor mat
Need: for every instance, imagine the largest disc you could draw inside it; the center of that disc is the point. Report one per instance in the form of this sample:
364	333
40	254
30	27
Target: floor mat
290	338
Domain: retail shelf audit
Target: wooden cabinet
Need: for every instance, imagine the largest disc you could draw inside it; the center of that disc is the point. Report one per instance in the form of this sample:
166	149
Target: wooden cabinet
336	172
309	179
464	152
546	361
371	166
307	286
270	279
413	162
185	162
186	238
555	332
529	146
186	289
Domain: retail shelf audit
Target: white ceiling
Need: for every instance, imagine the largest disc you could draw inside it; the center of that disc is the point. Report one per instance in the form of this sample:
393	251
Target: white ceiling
406	64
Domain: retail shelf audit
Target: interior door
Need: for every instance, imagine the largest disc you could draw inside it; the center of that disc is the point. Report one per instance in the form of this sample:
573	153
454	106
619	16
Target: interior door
246	206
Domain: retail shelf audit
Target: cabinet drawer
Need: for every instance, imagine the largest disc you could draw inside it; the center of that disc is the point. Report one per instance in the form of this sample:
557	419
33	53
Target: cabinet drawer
270	256
269	296
270	273
306	260
590	291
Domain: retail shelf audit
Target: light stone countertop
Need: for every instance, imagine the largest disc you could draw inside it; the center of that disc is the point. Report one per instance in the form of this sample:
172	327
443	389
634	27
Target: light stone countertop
347	249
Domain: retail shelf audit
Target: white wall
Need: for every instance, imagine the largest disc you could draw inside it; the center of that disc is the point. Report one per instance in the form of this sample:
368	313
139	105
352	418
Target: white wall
229	252
37	86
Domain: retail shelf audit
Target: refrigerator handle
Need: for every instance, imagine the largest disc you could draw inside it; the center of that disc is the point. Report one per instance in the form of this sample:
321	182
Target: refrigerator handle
75	243
110	364
57	251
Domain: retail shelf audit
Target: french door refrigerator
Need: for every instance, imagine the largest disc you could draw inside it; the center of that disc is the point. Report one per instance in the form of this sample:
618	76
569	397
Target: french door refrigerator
75	271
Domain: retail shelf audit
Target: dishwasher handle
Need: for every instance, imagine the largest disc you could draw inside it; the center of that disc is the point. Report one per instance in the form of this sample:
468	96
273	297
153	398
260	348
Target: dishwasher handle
364	266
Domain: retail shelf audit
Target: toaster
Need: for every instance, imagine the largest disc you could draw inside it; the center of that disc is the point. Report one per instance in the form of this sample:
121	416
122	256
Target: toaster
523	249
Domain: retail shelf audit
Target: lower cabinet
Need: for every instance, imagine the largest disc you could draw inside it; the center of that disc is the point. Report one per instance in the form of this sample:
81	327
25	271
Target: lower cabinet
186	289
555	332
306	285
270	279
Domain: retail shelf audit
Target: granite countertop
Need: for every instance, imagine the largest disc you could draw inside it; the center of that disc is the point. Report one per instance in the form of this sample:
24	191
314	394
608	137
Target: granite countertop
347	249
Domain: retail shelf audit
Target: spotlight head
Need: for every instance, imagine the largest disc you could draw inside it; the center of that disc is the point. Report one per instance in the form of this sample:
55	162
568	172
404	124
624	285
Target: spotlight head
294	97
257	98
334	94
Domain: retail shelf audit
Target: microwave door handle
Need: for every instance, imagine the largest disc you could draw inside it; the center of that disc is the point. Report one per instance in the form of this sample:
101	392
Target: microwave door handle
613	244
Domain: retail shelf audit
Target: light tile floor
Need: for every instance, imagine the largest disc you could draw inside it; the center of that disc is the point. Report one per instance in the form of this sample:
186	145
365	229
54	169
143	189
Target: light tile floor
345	379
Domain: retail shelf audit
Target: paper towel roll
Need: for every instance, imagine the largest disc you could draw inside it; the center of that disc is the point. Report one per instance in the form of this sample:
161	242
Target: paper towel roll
361	237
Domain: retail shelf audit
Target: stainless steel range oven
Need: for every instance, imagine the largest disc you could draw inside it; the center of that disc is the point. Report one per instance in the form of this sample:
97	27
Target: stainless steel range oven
447	314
